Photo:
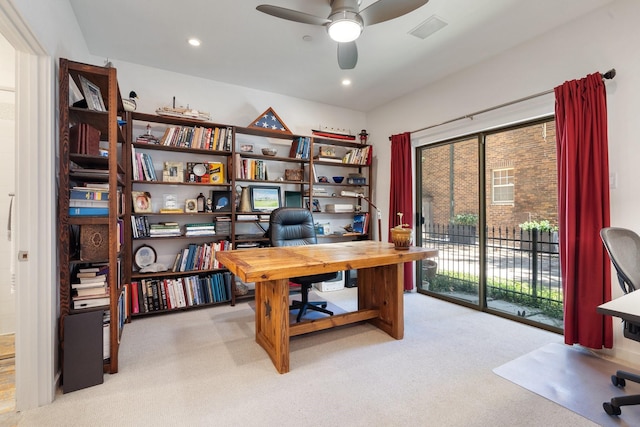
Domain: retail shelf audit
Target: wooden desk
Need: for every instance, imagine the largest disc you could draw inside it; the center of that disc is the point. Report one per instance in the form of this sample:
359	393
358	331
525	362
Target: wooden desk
380	287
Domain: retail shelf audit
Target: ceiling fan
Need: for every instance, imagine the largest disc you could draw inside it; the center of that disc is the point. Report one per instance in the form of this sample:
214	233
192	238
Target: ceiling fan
346	21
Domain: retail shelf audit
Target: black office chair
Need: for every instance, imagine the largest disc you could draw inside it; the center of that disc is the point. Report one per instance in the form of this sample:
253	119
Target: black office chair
294	227
623	247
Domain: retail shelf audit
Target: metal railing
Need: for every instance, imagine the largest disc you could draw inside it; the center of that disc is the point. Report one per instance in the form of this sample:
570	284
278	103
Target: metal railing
523	267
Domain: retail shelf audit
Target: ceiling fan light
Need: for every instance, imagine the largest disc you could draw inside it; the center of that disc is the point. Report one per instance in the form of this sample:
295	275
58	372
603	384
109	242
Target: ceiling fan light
345	26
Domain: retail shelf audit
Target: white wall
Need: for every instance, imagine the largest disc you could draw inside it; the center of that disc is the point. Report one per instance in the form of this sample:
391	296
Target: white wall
598	41
7	151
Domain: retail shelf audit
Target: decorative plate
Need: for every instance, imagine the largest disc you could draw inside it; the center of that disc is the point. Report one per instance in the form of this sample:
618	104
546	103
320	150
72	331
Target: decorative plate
144	256
199	169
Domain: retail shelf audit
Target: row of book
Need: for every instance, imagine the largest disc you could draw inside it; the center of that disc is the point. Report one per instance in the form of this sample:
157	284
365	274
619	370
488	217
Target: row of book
200	257
252	169
148	295
143	169
300	148
198	137
359	156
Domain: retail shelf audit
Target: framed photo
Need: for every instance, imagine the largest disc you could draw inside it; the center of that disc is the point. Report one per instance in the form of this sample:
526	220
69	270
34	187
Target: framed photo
221	201
144	256
191	206
141	201
173	172
92	95
264	199
170	201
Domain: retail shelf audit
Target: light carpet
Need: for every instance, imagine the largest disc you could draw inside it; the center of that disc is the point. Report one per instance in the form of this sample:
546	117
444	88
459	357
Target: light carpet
574	378
204	368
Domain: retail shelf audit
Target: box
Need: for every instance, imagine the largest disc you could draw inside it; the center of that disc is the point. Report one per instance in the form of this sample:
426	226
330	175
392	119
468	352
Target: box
331	285
94	242
293	174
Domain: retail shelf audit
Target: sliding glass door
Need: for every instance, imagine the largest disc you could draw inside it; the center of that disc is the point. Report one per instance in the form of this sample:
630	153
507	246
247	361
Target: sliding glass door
449	194
488	202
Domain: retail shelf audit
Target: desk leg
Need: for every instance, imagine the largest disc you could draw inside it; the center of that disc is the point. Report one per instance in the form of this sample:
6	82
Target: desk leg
383	288
272	321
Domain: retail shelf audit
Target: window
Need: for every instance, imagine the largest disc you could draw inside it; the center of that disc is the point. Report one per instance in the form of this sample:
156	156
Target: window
502	186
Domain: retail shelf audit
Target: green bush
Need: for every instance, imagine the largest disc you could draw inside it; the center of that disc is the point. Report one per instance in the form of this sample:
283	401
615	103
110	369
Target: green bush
544	225
547	301
465	219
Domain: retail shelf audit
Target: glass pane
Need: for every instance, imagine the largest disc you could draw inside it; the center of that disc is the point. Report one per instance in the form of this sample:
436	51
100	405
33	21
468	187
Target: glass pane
450	208
523	269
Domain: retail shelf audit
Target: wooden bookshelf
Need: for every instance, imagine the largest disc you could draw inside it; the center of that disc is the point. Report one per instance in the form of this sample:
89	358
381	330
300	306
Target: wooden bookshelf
105	167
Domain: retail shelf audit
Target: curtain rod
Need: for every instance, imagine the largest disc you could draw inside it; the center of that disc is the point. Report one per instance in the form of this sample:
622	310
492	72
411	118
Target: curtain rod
608	75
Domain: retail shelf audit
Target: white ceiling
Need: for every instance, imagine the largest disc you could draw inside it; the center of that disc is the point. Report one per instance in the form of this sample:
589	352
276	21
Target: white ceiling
248	48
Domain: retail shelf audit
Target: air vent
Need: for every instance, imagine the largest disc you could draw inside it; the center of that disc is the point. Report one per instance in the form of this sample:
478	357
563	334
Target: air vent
428	27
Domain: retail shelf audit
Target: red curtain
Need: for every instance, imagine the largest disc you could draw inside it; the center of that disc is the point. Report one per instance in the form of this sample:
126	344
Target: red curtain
401	196
583	205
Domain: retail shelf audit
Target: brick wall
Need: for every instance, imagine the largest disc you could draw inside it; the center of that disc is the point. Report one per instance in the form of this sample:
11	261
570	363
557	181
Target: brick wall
530	151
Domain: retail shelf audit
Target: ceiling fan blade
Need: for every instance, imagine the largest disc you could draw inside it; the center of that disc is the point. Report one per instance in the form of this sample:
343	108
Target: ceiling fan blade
384	10
347	55
292	15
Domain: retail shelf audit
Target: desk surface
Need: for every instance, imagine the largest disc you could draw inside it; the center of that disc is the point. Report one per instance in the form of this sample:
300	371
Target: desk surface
261	264
627	307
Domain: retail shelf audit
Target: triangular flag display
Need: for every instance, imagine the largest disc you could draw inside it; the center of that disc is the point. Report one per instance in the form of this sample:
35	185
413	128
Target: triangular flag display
270	121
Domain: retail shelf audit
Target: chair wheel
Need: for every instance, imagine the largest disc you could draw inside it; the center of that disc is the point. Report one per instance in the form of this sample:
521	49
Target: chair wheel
610	409
618	382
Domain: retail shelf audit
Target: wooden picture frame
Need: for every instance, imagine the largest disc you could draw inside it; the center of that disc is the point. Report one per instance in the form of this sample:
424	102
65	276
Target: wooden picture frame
173	172
92	95
191	206
221	201
141	201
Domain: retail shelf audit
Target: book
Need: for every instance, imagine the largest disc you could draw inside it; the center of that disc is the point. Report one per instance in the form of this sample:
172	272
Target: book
95	279
86	193
98	291
76	203
88	285
90	302
88	211
216	173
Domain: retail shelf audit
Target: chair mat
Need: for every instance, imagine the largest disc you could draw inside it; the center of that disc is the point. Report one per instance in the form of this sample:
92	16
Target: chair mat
573	377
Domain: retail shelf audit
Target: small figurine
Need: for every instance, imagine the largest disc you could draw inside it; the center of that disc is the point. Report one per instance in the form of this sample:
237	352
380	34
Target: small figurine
363	136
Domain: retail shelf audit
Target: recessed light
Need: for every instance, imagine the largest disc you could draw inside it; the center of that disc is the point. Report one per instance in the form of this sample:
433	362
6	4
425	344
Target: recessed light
307	38
194	42
346	82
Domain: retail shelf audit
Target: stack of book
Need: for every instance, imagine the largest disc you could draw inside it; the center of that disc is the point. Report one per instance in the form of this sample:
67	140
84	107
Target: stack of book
90	289
164	229
200	229
223	225
90	201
